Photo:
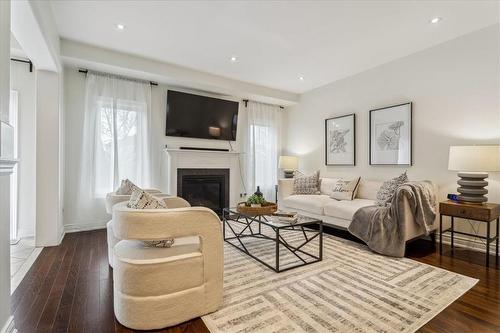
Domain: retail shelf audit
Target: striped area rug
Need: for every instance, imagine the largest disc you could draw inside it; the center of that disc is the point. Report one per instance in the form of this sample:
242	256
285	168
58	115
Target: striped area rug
351	290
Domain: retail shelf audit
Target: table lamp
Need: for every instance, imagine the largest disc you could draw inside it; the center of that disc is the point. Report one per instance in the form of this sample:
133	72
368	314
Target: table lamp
289	164
473	164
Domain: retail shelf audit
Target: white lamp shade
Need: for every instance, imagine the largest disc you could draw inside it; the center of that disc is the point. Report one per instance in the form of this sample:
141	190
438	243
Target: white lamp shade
288	162
474	158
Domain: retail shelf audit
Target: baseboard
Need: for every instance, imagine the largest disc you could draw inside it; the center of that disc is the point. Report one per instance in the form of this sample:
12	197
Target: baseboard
9	327
467	242
61	237
77	227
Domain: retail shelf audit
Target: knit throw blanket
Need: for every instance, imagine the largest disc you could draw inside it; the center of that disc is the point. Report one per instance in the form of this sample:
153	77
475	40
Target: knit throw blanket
383	228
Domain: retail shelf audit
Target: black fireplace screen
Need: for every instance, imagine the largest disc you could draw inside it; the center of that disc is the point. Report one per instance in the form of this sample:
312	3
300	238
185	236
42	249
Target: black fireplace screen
204	187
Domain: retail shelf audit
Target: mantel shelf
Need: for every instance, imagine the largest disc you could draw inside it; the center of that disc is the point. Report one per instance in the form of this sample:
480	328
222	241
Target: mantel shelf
7	165
177	150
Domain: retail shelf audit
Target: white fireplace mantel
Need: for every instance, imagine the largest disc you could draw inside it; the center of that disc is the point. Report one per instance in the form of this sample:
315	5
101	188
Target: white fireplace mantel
7	166
203	159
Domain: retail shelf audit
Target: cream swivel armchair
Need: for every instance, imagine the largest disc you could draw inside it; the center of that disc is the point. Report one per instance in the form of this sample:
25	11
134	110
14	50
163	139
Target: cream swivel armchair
113	198
161	287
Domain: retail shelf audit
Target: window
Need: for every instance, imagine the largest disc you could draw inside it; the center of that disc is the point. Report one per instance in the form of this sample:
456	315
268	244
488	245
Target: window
263	147
118	146
262	139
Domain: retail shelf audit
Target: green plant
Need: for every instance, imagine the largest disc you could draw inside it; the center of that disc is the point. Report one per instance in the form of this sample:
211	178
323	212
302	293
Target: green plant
255	200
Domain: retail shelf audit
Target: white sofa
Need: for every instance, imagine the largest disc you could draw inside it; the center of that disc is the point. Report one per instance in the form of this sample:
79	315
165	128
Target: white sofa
339	213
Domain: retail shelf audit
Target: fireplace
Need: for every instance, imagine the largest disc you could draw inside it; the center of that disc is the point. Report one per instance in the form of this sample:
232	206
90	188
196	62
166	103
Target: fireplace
204	187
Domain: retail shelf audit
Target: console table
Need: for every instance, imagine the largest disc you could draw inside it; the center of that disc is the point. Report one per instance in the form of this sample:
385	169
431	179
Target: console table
487	213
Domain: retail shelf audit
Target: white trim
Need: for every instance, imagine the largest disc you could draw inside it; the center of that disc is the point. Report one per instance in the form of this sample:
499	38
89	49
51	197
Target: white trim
17	278
77	227
7	166
61	237
9	327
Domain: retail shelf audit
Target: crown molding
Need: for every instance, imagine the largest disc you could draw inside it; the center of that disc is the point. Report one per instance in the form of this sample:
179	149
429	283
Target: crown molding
7	166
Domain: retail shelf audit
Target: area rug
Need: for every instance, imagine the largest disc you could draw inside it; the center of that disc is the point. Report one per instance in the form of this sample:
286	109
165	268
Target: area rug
351	290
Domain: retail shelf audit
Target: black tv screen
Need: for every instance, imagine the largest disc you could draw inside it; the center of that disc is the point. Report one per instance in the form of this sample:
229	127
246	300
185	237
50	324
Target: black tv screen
196	116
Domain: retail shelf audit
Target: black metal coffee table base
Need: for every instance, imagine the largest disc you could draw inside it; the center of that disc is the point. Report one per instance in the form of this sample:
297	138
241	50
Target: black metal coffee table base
232	217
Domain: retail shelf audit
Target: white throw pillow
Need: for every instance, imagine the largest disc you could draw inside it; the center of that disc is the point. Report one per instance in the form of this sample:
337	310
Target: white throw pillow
143	200
126	187
327	185
345	189
139	199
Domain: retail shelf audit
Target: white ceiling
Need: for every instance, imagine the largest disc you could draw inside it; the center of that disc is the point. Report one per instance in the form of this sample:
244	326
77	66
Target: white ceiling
275	42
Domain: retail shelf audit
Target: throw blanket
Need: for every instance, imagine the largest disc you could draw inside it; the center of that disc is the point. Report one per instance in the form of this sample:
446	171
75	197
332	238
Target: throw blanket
383	228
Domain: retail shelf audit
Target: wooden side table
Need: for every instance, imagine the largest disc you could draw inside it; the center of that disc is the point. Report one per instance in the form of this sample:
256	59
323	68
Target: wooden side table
487	212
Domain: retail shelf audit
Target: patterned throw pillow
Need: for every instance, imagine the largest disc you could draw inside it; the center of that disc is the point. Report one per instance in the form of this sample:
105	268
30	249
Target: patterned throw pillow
306	184
345	189
388	189
126	187
143	200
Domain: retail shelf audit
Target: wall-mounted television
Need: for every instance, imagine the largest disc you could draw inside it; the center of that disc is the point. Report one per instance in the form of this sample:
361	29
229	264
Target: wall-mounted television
195	116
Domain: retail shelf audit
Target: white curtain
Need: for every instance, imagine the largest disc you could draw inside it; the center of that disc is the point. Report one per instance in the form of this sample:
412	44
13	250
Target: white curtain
116	137
263	147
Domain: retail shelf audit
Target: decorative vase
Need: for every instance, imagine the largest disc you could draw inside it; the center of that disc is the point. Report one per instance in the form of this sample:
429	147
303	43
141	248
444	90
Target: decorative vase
258	192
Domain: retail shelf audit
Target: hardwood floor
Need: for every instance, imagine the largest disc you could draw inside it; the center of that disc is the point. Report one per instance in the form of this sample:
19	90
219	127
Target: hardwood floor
70	289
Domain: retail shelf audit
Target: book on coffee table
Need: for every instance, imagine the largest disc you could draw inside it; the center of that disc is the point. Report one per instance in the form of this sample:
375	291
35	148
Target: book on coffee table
288	217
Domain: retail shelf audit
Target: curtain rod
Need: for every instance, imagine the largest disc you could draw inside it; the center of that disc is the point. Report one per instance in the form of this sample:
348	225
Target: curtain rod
24	61
85	71
246	104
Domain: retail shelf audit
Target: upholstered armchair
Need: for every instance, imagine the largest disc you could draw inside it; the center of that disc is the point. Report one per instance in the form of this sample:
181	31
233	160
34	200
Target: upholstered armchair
160	287
113	199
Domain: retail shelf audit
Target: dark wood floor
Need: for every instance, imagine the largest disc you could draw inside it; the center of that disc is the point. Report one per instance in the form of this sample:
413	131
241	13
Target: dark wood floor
70	289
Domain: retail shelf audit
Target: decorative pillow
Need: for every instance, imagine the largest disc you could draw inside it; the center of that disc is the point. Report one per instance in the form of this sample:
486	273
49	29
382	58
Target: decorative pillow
126	187
388	189
306	184
345	189
143	200
160	243
327	185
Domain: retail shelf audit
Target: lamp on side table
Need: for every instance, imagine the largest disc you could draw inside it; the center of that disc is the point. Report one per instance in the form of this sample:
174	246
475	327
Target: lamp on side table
289	164
473	164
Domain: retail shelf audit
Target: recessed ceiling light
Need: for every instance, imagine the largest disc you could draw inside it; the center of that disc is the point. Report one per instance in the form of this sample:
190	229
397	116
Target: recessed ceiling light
120	26
436	20
301	78
234	59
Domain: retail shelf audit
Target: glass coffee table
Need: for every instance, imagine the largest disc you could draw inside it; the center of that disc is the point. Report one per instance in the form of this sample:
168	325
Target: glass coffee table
278	245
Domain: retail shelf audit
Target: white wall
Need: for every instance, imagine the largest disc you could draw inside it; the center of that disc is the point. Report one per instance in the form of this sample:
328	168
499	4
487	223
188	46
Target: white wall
5	317
455	92
48	158
23	81
74	90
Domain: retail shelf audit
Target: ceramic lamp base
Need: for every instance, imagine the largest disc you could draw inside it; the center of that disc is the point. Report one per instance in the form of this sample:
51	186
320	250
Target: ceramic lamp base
471	187
288	173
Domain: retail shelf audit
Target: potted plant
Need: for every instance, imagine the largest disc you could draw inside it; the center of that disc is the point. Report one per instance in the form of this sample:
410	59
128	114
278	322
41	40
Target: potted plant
255	200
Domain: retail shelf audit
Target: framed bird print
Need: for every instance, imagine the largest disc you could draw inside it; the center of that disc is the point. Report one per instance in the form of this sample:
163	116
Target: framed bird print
340	140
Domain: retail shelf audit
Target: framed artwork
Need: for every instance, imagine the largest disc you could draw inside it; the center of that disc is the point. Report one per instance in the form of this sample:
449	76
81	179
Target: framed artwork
340	140
391	135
